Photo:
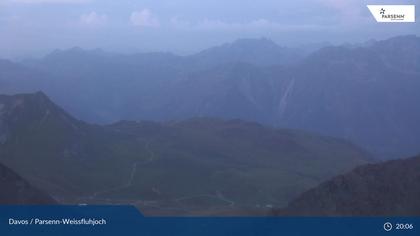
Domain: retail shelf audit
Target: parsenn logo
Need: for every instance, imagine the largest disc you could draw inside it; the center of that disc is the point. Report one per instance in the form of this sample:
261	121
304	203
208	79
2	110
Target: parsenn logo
393	13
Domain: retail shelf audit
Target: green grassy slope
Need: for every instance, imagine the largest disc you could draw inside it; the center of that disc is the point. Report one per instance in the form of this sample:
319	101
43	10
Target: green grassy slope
198	165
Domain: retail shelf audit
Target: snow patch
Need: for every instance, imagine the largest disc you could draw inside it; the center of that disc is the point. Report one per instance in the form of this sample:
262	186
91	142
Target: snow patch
284	100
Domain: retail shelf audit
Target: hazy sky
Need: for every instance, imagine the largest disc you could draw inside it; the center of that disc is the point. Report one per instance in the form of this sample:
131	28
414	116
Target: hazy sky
33	27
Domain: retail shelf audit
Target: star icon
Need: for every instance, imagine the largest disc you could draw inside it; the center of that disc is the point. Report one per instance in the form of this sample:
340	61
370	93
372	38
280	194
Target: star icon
382	12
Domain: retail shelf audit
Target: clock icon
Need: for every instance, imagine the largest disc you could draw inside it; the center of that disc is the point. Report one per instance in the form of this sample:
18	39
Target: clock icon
387	226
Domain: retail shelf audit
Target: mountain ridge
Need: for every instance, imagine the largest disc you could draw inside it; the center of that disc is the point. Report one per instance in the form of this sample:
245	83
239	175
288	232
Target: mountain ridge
17	191
383	189
365	93
198	166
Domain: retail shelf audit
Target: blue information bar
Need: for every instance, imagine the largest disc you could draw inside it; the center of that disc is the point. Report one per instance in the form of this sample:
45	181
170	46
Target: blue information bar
127	220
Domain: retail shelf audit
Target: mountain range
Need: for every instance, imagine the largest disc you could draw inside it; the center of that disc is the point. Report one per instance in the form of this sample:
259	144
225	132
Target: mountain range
199	166
365	93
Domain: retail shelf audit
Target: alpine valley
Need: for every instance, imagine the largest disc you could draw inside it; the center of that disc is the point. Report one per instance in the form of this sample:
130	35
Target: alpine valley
245	128
199	166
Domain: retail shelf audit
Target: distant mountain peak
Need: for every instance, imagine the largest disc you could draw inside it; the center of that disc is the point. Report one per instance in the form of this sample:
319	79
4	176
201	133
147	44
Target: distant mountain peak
248	44
254	42
38	98
22	110
410	43
257	51
404	37
39	95
75	51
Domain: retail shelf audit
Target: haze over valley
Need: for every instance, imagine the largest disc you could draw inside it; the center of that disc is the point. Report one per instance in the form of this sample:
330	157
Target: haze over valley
365	93
210	108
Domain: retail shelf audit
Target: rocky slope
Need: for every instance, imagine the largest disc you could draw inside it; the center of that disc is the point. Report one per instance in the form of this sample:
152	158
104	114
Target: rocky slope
16	191
386	189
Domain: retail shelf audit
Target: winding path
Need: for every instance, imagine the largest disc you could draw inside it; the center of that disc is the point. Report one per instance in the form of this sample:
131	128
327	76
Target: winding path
152	157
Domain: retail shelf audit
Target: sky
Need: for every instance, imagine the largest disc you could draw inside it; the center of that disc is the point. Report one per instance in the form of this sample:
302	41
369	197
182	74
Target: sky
34	27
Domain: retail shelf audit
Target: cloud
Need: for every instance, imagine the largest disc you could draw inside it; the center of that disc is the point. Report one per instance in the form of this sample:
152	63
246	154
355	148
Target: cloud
144	18
179	23
219	25
94	19
50	1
